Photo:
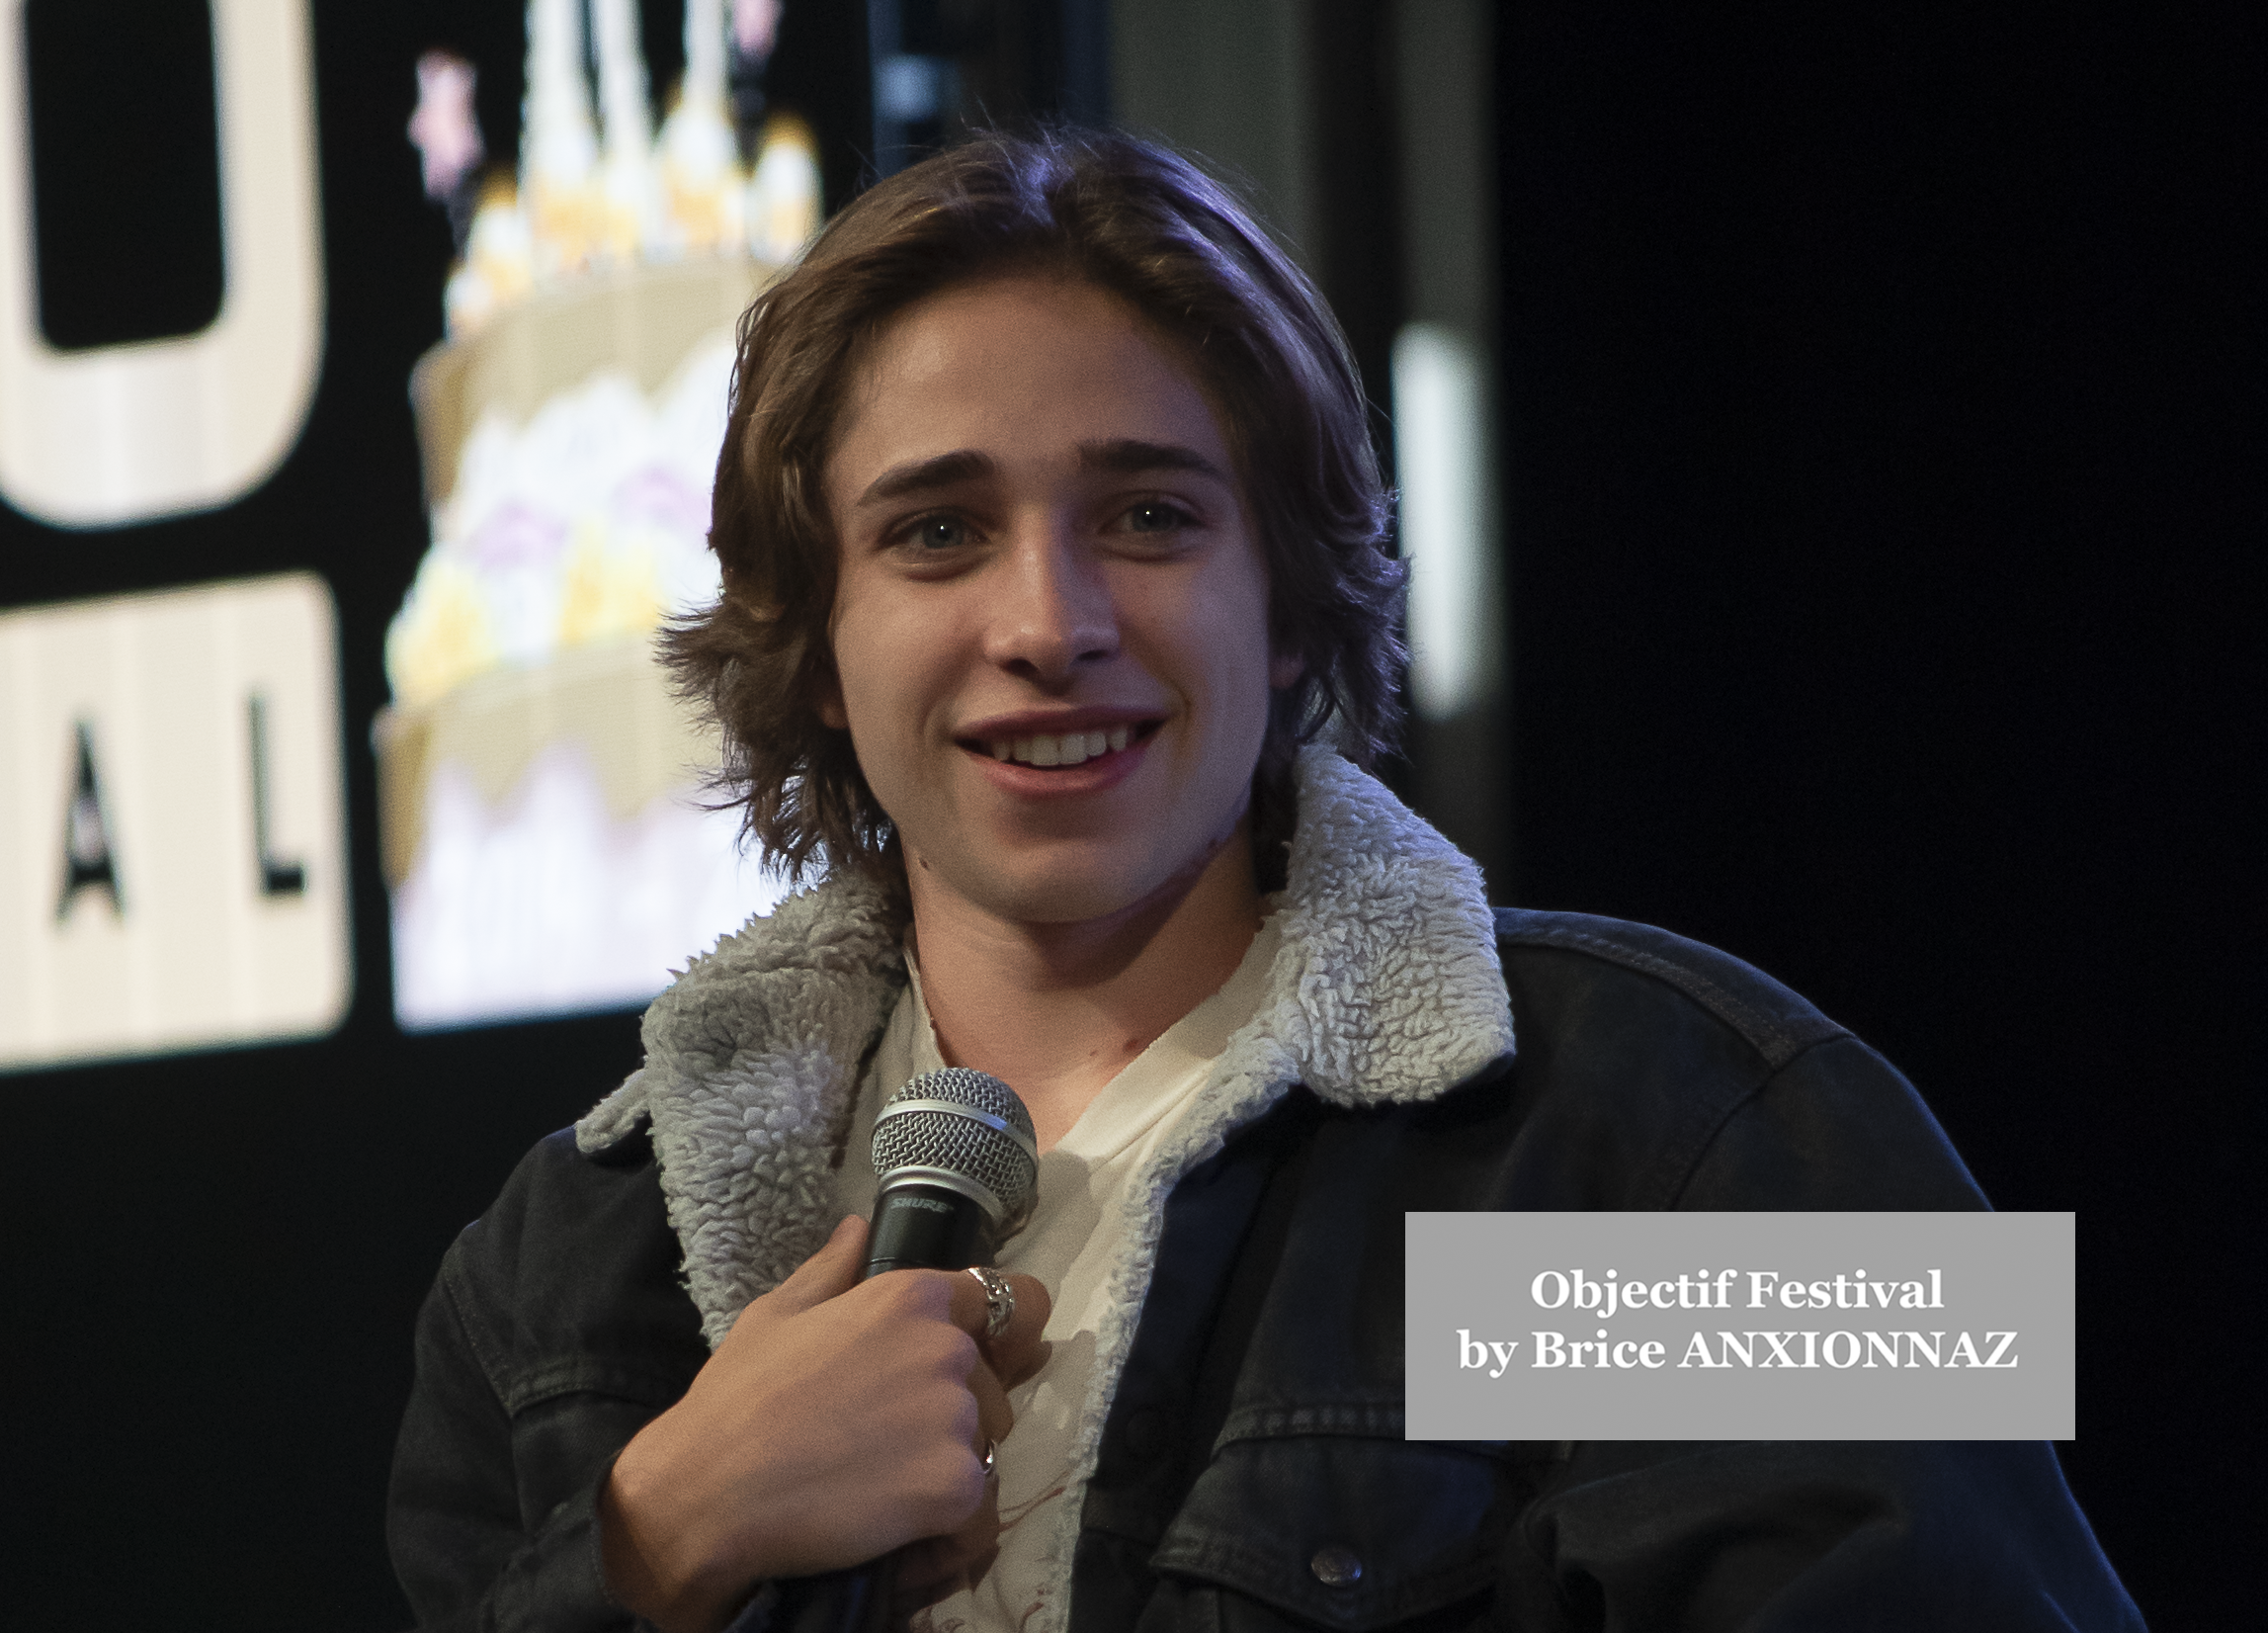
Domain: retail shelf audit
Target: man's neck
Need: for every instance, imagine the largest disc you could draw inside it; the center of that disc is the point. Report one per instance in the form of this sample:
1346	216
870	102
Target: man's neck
1057	1010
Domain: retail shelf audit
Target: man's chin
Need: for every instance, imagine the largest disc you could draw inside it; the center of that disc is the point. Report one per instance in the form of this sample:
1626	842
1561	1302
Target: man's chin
1071	887
1067	899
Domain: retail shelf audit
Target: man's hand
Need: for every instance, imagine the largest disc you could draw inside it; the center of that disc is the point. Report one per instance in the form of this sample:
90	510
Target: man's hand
840	1419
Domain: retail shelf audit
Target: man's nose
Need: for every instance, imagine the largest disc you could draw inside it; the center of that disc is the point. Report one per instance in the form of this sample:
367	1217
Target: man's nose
1055	611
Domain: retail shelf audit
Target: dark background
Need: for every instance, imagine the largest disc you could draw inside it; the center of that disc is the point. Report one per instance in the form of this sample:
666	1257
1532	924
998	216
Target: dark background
1881	413
1883	469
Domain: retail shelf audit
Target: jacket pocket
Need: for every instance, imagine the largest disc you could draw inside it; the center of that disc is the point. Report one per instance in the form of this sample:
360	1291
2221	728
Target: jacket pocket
1340	1532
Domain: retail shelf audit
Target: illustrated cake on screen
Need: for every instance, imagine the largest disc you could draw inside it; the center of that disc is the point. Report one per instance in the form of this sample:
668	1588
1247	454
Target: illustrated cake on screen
544	837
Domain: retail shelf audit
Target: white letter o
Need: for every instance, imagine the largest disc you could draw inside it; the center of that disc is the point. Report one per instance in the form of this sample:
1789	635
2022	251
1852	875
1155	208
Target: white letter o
117	435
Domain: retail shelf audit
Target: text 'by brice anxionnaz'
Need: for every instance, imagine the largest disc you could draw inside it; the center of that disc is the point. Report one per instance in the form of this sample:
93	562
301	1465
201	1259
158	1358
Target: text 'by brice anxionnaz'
1887	1342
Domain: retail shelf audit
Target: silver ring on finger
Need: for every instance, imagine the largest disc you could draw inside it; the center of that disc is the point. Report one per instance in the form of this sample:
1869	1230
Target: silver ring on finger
991	1458
999	1299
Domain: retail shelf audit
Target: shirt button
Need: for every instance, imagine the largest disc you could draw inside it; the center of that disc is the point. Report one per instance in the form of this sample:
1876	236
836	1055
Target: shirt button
1336	1565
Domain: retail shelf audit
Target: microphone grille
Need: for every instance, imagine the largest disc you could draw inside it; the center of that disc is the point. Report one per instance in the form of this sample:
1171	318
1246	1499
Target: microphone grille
949	1137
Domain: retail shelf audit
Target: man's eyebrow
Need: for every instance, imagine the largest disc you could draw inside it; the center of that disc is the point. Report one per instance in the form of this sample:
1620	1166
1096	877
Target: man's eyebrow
1129	457
920	475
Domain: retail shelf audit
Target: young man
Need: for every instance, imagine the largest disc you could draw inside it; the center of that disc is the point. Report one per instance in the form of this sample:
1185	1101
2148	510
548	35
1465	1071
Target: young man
1051	543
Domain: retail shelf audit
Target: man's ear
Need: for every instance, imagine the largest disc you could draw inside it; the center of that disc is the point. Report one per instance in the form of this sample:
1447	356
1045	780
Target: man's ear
828	698
1284	670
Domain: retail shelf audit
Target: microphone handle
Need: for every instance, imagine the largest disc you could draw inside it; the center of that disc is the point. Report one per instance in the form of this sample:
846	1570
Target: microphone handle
917	1225
920	1225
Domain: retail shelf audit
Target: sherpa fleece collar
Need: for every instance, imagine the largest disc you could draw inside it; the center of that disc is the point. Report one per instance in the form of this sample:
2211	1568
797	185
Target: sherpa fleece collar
1385	988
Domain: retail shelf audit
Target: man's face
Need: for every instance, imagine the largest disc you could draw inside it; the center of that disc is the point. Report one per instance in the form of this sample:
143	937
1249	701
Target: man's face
1051	622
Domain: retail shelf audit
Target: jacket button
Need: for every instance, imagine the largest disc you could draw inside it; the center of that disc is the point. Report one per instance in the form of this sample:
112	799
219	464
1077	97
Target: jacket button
1336	1565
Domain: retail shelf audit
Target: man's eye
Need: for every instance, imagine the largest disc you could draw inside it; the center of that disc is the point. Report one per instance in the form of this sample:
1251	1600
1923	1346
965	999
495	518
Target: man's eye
939	532
1157	518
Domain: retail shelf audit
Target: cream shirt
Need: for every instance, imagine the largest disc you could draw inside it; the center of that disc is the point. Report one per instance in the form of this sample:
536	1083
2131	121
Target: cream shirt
1072	1245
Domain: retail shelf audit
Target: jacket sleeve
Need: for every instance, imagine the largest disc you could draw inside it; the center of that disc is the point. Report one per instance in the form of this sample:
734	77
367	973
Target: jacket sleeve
1777	1536
1774	1536
555	1332
467	1553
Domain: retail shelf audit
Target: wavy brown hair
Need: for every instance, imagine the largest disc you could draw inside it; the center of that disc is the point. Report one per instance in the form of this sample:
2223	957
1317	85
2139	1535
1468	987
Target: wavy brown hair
1127	217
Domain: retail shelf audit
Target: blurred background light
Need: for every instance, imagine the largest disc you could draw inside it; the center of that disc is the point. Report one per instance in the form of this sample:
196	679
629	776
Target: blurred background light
1444	462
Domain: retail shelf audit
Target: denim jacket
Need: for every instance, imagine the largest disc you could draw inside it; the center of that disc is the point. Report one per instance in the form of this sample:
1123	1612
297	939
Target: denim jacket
1244	1461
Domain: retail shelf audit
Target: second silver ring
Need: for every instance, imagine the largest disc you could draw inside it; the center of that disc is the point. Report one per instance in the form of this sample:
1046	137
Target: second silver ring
999	1299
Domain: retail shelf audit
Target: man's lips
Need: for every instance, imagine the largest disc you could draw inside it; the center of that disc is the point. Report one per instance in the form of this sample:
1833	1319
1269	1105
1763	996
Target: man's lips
1077	772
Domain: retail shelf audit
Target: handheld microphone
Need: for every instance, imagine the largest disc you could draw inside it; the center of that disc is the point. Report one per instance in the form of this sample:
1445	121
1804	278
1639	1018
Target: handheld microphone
957	1164
958	1167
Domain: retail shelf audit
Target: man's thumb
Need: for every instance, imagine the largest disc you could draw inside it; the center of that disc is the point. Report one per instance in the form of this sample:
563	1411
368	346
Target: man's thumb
832	1270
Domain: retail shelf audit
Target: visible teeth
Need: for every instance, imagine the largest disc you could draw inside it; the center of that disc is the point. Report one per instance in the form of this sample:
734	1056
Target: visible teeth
1067	748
